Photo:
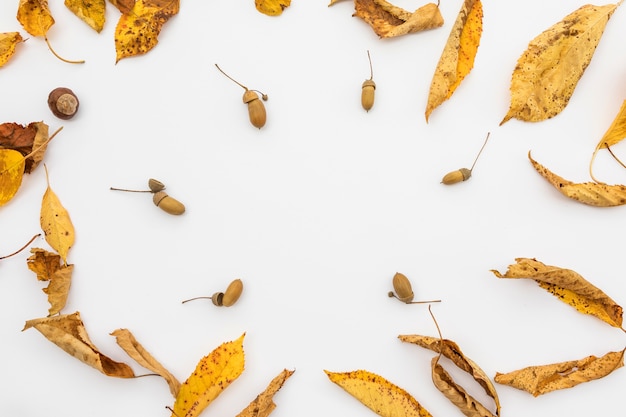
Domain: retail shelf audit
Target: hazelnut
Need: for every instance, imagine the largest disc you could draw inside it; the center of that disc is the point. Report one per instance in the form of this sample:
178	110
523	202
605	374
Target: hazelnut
63	103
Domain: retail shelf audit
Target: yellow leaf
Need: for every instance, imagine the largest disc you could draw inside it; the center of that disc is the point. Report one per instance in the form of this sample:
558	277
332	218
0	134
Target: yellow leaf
11	172
272	7
213	375
8	41
91	12
547	72
457	58
263	404
390	21
378	394
542	379
590	193
56	223
615	134
35	17
68	332
569	287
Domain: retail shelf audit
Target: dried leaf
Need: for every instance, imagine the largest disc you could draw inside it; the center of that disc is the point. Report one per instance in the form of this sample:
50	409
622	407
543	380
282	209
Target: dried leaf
133	348
390	21
11	173
272	7
615	134
124	6
569	287
457	58
542	379
91	12
8	42
213	375
378	394
137	31
35	16
263	404
30	141
48	267
56	223
547	72
68	332
590	193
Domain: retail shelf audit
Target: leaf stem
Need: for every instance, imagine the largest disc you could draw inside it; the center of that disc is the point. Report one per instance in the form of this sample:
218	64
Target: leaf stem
59	56
22	248
33	151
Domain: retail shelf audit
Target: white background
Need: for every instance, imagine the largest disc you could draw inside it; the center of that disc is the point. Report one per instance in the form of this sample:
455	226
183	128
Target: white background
315	212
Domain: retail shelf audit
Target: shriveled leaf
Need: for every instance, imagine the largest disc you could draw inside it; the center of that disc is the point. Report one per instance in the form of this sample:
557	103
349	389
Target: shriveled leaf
615	134
68	332
590	193
263	404
213	375
91	12
8	42
56	223
569	287
272	7
35	17
135	350
11	173
548	71
542	379
389	21
30	141
457	58
48	267
124	6
43	263
378	394
137	31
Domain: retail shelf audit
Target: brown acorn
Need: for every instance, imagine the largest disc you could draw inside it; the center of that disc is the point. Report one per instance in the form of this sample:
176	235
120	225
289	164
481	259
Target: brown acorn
368	89
462	174
168	204
403	290
63	103
256	109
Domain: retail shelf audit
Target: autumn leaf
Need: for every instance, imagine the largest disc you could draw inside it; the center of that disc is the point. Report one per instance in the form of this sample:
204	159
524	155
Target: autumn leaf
91	12
68	332
11	173
213	375
542	379
590	193
8	42
31	141
56	223
272	7
137	31
124	6
569	287
378	394
548	71
615	134
48	267
263	404
457	58
389	21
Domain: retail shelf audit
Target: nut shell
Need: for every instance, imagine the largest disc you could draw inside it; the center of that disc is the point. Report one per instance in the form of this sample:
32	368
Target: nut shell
155	185
63	103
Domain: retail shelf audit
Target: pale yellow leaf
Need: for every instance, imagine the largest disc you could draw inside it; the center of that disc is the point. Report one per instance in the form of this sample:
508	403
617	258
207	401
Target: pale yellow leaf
263	404
56	223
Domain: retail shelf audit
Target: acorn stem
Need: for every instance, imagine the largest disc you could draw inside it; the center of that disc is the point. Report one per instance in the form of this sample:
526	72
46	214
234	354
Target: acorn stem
232	79
196	298
371	69
425	302
481	150
130	191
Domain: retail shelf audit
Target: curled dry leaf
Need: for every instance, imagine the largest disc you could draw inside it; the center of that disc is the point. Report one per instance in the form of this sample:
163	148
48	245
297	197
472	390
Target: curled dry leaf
546	74
542	379
68	332
590	193
457	58
263	404
614	135
56	223
389	21
135	350
378	394
48	267
272	7
91	12
8	42
569	287
213	375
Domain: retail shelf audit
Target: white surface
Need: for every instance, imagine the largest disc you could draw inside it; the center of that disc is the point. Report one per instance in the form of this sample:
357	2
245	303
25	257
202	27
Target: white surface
315	212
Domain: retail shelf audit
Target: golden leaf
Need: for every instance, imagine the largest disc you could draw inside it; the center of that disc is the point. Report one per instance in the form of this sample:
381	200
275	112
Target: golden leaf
91	12
263	404
542	379
68	332
272	7
47	266
11	173
378	394
137	31
590	193
547	72
56	223
389	21
133	348
8	42
35	17
124	6
615	134
213	375
457	58
569	287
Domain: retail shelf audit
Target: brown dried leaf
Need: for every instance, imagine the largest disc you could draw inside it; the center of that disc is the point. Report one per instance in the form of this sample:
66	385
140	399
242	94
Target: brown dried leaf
48	267
133	348
68	332
542	379
263	404
389	21
8	42
569	287
590	193
124	6
25	139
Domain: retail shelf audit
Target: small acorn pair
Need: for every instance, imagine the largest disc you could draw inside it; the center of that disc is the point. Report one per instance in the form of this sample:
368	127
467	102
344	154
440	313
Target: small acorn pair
160	198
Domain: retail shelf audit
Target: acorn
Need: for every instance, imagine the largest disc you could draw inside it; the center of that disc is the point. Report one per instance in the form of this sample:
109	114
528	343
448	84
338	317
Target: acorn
63	103
404	292
168	204
226	298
